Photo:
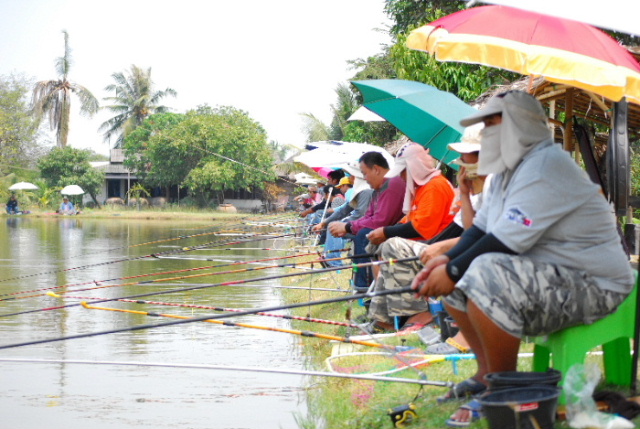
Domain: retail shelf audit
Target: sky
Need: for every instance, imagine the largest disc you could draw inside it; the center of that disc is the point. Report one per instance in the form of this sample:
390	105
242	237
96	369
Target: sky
274	59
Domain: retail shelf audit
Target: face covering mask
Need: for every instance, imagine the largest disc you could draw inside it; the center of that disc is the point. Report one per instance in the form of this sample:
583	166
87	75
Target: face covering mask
490	161
470	169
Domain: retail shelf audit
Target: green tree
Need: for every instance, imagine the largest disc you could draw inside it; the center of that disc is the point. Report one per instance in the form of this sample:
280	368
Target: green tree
209	151
134	100
52	98
136	143
314	129
18	128
70	166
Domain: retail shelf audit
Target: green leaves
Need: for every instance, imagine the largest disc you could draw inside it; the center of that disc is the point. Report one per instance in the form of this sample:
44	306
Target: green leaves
208	150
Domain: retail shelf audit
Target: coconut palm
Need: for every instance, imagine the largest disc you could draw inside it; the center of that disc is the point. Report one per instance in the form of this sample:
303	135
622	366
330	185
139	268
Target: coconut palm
134	100
52	98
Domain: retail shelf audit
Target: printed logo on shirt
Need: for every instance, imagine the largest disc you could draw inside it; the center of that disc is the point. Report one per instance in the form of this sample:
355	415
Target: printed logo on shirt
515	215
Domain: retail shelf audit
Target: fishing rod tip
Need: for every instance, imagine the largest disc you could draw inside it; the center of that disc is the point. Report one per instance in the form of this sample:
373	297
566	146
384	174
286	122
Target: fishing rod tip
55	295
84	304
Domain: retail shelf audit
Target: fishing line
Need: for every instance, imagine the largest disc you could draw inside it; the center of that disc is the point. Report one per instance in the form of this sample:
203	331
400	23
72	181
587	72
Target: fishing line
267	285
219	316
308	334
152	255
448	384
158	273
289	265
208	307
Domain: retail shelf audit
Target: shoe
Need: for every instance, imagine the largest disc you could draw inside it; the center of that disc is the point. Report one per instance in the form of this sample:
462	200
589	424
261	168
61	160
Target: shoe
449	347
475	409
468	387
429	336
372	328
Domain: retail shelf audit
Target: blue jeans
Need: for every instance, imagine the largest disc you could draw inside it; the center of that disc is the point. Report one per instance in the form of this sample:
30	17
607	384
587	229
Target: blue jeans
332	244
363	276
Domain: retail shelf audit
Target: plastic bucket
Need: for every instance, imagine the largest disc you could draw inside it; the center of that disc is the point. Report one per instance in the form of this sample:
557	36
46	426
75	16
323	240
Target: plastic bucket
531	407
510	379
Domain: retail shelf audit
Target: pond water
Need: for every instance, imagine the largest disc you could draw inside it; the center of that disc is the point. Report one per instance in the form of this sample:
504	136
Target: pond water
39	253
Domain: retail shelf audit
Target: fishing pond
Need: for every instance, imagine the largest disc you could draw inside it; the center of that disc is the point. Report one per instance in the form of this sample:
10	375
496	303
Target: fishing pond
84	382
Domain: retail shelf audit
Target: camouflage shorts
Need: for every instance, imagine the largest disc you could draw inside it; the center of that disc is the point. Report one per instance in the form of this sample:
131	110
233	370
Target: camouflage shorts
525	297
397	276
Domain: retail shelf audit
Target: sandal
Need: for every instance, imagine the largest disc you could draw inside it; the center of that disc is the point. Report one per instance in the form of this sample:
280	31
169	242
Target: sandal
475	409
468	387
449	347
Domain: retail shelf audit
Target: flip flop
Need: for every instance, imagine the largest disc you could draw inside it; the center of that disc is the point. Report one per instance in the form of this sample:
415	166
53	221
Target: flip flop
474	407
468	387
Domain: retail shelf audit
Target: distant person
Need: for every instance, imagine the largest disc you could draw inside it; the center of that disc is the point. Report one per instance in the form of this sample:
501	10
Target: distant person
12	205
67	207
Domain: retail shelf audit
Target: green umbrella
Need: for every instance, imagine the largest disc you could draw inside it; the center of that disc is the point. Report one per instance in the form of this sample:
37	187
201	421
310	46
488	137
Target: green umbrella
423	113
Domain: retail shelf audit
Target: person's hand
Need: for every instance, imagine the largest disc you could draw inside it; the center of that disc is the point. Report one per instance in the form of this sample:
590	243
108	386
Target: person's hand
432	251
464	183
376	236
318	227
421	280
438	283
304	213
338	229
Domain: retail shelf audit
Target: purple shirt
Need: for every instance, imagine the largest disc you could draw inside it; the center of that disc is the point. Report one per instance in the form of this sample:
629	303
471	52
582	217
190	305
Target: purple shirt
385	208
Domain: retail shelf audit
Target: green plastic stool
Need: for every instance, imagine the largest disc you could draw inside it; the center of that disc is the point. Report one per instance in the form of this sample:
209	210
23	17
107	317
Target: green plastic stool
570	346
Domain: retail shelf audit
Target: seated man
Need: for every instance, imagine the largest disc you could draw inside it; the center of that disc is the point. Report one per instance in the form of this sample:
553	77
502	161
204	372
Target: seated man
67	207
385	209
414	312
542	255
12	205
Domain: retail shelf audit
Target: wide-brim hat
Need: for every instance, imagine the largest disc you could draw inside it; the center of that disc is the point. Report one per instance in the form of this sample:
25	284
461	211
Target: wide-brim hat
494	105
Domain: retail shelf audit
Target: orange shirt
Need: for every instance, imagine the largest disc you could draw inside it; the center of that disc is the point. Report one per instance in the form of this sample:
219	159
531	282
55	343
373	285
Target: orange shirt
431	209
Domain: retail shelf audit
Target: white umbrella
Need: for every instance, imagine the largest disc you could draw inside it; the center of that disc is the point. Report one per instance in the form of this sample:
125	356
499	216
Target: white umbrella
365	115
72	190
21	186
335	154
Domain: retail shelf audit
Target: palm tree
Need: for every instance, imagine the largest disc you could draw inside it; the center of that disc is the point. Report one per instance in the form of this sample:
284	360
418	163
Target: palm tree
52	98
134	100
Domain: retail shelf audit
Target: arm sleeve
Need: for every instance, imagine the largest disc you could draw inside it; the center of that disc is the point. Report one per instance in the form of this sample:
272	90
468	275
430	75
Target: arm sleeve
404	230
487	244
319	206
467	239
339	213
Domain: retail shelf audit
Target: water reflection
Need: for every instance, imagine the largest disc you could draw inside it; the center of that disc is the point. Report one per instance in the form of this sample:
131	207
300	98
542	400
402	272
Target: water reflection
40	254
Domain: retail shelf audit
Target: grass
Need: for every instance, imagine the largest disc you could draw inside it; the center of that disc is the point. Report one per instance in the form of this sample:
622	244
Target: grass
339	403
150	213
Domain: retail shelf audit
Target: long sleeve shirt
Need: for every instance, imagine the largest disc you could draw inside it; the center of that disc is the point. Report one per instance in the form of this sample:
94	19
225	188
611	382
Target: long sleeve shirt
385	208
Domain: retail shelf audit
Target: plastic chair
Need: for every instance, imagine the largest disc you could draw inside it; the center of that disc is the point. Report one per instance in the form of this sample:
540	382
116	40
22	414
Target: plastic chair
614	333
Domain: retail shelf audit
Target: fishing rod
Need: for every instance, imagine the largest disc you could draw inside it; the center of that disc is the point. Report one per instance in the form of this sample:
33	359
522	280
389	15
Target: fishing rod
267	285
423	382
246	325
169	239
243	270
152	255
208	307
225	315
158	274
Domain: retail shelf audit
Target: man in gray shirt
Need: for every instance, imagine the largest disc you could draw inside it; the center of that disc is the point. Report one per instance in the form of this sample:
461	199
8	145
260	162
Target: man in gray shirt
543	253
